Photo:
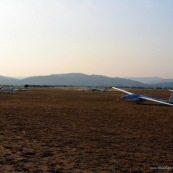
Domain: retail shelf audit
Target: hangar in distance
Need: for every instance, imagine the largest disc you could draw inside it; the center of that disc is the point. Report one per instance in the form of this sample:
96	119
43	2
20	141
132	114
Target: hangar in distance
140	98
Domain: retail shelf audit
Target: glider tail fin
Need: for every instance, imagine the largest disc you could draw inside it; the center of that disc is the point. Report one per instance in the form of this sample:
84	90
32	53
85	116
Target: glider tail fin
12	90
171	97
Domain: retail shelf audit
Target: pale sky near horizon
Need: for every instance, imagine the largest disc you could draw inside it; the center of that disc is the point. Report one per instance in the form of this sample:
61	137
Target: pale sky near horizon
116	38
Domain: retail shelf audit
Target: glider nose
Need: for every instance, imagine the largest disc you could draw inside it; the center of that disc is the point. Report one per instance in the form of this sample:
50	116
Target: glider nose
123	97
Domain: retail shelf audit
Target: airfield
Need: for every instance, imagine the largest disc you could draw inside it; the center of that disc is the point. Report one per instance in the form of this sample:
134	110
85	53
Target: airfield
64	130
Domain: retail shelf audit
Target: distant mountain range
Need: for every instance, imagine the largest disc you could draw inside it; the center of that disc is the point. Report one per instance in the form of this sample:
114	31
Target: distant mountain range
154	81
78	79
150	80
8	80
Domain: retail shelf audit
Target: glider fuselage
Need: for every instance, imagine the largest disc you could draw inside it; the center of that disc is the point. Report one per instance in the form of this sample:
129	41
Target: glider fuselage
132	98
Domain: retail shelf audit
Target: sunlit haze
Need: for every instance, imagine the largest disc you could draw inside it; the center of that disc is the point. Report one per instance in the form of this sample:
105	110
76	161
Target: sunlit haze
116	38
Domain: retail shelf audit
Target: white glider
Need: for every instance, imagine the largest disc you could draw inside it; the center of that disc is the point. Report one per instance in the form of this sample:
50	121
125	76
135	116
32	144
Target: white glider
97	89
139	98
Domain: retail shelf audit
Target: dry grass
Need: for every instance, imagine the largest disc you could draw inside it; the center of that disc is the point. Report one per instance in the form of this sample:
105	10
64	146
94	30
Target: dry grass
70	131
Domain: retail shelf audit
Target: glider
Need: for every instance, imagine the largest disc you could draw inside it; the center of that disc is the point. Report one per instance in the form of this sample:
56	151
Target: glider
139	98
97	89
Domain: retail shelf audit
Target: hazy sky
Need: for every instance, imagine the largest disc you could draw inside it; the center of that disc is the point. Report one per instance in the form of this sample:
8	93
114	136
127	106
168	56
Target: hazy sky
117	38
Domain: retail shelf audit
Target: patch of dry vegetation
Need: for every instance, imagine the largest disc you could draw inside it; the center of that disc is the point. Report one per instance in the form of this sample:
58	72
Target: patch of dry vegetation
57	130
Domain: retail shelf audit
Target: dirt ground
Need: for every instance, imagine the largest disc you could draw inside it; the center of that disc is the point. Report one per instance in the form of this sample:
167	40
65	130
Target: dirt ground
75	131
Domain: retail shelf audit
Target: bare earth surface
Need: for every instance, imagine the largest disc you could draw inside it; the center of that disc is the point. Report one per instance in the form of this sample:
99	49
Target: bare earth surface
71	131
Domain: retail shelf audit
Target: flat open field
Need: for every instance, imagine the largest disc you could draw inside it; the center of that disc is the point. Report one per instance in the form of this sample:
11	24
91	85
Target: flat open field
71	131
